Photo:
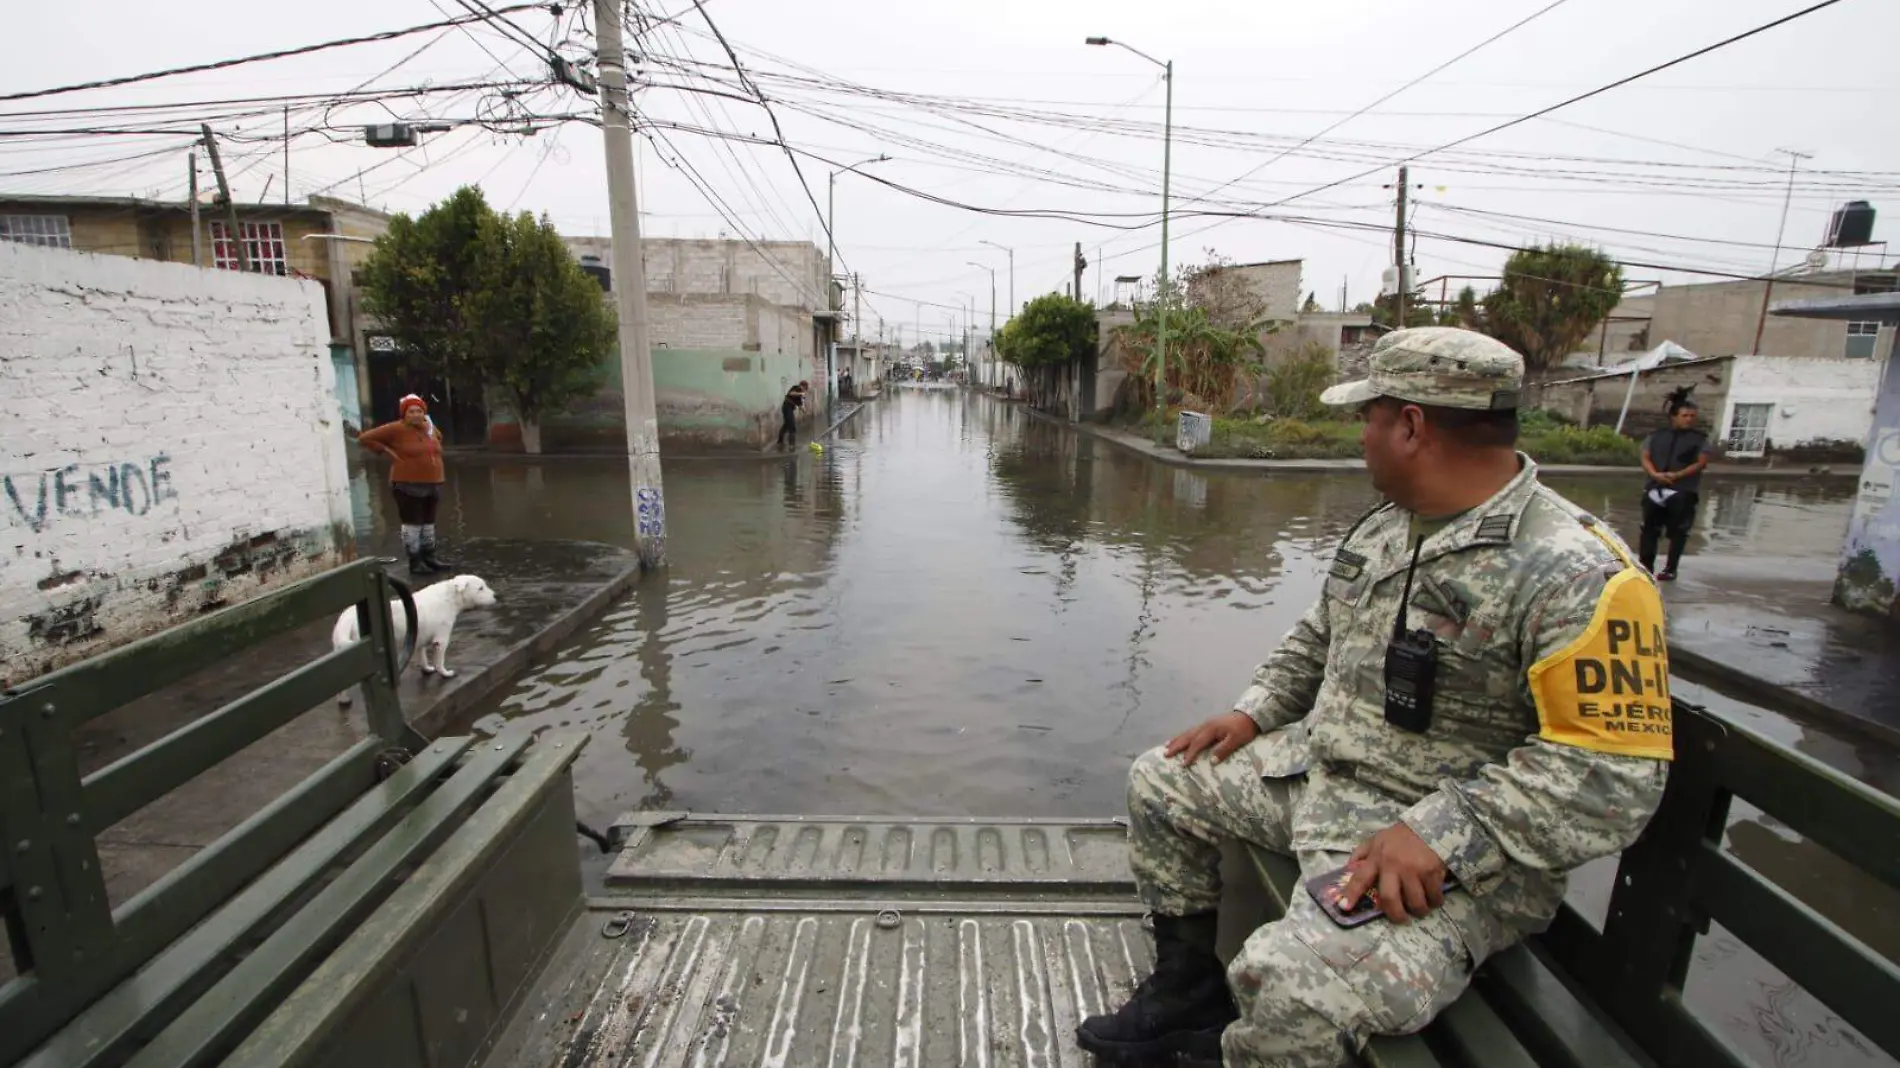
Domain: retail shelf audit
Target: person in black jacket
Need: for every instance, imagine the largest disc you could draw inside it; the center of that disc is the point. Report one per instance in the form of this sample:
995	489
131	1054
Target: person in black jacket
794	400
1673	458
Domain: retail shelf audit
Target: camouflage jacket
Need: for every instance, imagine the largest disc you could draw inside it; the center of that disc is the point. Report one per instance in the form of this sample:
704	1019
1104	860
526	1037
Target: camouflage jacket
1550	733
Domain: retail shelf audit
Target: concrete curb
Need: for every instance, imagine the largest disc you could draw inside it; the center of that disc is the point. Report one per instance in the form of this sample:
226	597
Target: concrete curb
1734	682
482	454
1173	457
468	690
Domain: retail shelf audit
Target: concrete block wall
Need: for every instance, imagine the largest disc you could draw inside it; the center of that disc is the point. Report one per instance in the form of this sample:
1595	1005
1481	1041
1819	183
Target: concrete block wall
791	273
1598	401
1719	319
693	321
169	444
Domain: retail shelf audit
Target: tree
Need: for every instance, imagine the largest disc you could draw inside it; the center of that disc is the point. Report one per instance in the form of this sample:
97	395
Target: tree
1311	306
417	278
1464	313
1216	288
1050	331
546	327
485	300
1550	300
1205	358
1385	311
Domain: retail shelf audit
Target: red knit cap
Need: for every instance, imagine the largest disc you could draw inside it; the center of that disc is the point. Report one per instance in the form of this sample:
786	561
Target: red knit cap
411	401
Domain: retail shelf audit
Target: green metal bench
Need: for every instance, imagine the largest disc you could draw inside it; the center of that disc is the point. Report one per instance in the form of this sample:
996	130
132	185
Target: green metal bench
1577	997
348	906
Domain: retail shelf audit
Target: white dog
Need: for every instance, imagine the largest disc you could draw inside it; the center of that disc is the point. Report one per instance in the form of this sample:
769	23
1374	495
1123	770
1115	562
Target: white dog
436	609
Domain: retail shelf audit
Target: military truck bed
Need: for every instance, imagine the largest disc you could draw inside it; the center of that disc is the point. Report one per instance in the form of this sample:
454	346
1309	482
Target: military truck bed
796	941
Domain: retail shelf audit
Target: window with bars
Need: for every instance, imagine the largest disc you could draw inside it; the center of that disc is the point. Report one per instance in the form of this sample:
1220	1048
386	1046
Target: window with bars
52	231
263	246
1860	340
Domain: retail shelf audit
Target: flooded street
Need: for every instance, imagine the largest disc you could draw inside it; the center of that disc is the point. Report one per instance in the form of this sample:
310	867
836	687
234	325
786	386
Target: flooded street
960	609
956	609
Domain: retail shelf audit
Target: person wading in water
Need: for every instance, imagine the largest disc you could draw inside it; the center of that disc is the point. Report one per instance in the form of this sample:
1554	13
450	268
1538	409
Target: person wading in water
788	409
1673	458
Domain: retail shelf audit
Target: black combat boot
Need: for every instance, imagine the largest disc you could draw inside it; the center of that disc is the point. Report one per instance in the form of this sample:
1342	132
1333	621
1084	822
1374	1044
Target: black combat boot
1174	1010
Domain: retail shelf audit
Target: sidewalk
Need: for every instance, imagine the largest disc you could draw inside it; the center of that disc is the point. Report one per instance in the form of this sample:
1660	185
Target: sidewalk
545	591
1168	454
1762	630
486	454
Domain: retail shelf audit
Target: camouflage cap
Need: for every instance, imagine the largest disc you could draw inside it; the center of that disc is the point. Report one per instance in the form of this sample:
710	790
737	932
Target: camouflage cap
1440	365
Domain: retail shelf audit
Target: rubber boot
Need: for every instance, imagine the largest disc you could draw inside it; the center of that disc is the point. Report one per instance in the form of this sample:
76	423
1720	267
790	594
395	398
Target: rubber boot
1175	1009
435	562
419	565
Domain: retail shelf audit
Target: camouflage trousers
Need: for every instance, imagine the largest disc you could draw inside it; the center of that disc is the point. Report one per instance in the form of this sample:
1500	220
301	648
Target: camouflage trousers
1310	992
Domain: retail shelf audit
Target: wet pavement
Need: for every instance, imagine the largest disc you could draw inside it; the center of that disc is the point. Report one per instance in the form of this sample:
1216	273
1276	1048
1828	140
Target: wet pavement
1762	628
960	610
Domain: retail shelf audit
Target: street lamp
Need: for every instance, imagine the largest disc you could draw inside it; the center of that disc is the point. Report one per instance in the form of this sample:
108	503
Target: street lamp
992	270
1012	272
1161	309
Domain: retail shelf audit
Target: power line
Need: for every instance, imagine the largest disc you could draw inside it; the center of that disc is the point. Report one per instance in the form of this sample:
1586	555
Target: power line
221	64
500	20
777	131
1579	98
1538	114
1329	129
718	203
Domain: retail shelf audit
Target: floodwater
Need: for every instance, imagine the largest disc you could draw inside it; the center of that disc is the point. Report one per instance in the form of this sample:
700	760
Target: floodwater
960	609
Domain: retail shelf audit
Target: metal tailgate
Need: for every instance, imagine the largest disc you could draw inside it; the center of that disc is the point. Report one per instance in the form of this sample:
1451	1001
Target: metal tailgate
840	942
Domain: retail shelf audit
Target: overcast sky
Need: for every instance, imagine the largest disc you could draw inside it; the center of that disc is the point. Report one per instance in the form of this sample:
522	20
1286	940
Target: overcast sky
1686	154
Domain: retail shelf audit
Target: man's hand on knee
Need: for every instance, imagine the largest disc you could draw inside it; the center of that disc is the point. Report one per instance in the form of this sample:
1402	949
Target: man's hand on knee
1409	877
1219	737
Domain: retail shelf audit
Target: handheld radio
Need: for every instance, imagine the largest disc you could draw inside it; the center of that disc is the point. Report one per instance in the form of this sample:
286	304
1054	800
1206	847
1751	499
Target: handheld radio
1411	665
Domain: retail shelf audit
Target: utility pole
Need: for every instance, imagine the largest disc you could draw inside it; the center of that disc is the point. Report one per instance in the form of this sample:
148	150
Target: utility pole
286	155
1761	321
1080	263
191	165
857	291
224	194
1398	251
630	292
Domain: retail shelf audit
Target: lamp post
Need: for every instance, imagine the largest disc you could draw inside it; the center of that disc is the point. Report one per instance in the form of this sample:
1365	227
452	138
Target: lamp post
831	255
992	271
968	310
1167	161
1012	273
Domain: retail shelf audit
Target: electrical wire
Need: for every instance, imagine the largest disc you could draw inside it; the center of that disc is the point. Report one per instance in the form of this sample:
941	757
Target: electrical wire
1505	32
1579	98
260	57
778	132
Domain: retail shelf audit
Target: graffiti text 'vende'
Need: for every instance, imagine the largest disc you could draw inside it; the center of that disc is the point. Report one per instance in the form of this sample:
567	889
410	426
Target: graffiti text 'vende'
79	491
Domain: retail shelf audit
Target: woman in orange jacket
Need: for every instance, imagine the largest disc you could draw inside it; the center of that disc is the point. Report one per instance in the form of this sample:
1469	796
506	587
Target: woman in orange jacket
415	445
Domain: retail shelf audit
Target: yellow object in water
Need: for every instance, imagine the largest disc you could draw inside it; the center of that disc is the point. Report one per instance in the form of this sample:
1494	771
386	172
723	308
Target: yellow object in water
815	447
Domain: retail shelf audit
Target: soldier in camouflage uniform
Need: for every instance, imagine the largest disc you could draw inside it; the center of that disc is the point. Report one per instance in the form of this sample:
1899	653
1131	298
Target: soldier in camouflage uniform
1547	743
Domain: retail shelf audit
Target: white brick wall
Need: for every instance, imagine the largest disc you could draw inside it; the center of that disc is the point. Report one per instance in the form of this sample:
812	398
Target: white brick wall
168	444
1814	399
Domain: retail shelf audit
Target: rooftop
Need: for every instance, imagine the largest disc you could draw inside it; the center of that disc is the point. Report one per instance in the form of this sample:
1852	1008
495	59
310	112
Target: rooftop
315	205
1884	307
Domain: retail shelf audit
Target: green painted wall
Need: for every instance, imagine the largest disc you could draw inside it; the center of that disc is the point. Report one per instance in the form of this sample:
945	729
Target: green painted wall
719	398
